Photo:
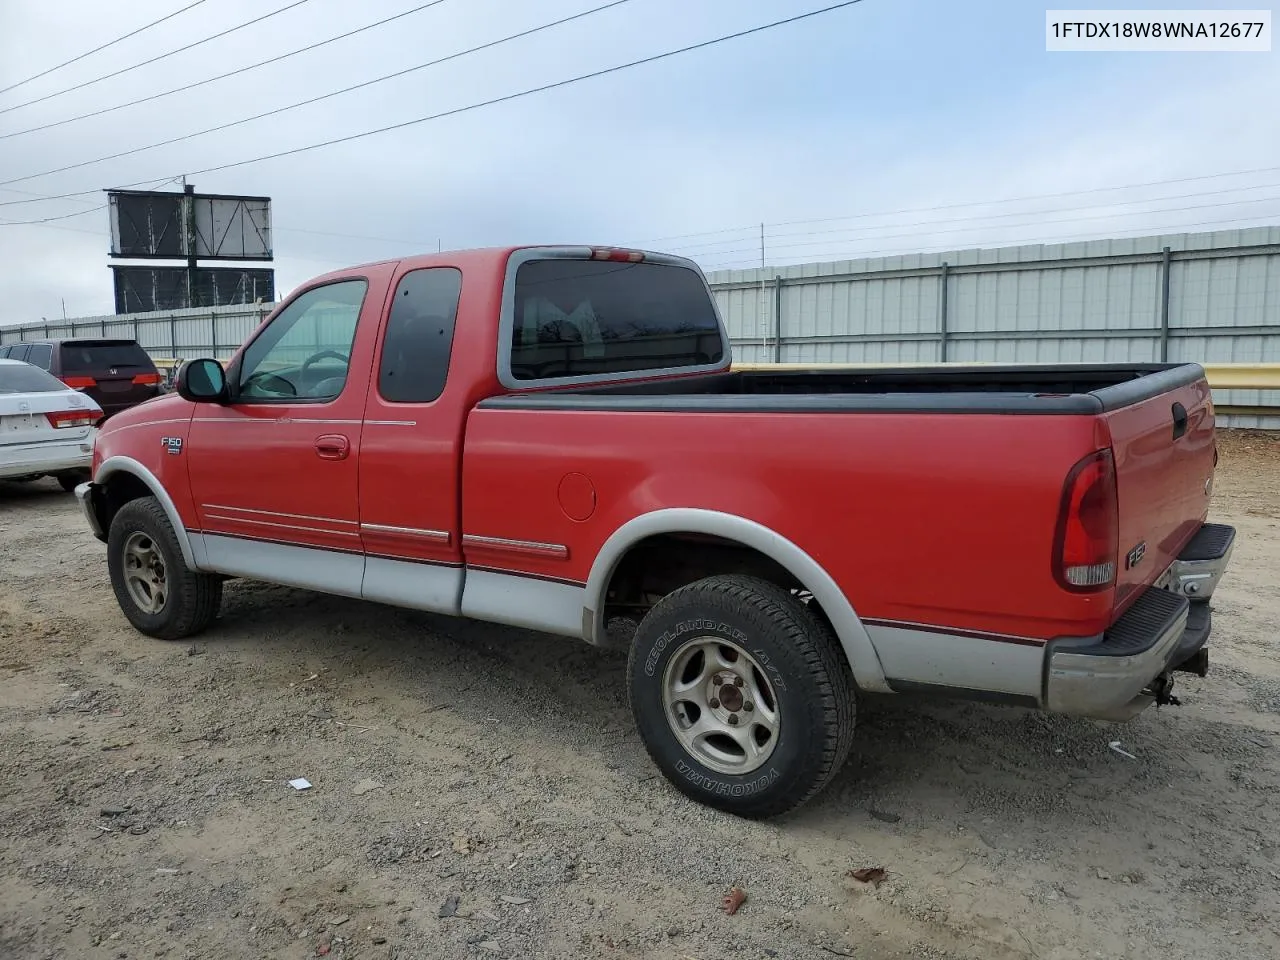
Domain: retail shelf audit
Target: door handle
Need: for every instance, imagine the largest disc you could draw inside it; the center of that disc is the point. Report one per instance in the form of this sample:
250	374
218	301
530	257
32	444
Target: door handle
1179	420
332	446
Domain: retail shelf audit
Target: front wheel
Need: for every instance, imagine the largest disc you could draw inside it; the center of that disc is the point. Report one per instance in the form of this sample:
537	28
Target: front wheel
741	695
156	590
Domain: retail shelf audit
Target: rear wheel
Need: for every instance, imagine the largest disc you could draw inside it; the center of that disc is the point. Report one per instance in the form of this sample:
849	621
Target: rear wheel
156	590
741	695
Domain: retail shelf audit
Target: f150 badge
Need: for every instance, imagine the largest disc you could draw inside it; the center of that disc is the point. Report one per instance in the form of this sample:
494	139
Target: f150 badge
172	445
1134	556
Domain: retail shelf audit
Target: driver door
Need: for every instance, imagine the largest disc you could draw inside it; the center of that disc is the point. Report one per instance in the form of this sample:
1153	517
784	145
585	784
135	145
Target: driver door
273	471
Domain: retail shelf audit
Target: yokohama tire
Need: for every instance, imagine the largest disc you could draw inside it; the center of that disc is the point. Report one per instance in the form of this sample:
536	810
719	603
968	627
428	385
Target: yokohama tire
689	641
190	600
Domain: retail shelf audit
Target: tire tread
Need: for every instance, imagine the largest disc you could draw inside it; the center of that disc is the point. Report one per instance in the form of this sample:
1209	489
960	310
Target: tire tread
198	595
790	619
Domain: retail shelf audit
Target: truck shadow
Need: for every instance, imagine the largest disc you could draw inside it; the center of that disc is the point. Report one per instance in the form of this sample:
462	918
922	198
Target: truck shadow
29	493
913	760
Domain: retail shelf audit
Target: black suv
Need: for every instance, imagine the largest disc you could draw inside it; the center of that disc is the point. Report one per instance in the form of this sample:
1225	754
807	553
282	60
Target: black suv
118	374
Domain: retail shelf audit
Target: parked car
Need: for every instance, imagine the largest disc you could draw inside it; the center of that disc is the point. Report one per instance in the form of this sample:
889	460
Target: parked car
117	374
46	428
553	437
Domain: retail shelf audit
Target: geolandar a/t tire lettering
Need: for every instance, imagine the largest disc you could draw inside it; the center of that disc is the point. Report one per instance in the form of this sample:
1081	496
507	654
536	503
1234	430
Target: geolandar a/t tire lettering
741	695
156	590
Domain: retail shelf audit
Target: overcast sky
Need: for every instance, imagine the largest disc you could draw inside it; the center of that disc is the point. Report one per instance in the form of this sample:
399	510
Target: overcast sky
884	107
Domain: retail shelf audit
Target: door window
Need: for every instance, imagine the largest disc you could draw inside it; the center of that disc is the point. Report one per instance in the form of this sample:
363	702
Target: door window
41	355
305	351
419	337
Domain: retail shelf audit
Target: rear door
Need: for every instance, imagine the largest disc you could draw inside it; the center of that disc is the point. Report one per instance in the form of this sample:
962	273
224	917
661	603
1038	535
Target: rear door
1164	455
116	373
410	449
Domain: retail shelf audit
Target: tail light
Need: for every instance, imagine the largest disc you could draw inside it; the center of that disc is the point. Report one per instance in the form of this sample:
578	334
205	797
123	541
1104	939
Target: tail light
60	419
79	383
1085	547
617	255
147	379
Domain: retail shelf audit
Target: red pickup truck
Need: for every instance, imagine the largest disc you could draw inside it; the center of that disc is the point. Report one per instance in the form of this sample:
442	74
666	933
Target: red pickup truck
553	438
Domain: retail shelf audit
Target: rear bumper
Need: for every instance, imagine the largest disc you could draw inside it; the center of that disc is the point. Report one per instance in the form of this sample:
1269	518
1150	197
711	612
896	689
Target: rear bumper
1117	675
23	460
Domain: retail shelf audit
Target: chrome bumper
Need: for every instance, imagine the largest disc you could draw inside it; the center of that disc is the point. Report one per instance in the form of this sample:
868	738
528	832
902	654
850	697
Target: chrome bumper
1202	562
84	495
1118	675
1106	678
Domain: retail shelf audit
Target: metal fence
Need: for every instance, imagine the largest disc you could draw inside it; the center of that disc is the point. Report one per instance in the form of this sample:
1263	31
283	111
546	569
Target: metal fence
1204	297
203	332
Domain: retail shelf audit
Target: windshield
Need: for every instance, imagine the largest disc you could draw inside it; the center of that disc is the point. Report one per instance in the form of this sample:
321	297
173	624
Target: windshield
24	378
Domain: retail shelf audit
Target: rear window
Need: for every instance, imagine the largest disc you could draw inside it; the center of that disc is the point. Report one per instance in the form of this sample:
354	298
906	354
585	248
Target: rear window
91	356
24	378
591	317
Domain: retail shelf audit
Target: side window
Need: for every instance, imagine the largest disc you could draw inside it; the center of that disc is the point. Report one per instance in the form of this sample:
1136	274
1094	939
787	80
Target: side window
19	351
41	354
305	350
419	337
4	353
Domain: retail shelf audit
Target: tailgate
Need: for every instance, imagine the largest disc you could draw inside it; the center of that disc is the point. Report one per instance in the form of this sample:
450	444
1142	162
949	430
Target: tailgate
1164	454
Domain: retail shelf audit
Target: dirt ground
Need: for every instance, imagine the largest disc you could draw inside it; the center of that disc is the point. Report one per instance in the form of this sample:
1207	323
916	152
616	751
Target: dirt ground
492	774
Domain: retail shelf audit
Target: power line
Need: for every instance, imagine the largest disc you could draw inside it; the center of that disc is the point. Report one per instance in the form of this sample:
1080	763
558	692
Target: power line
189	46
109	43
970	229
843	254
326	96
542	88
972	203
65	216
38	197
999	216
994	216
223	76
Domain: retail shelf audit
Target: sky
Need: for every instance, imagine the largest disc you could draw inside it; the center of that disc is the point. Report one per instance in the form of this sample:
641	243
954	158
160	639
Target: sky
859	132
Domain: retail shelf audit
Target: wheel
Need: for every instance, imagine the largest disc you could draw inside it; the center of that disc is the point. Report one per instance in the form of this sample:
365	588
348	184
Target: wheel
741	695
69	481
158	593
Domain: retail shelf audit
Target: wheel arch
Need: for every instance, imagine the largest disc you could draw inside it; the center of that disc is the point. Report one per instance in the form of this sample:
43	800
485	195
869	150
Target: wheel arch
854	640
117	469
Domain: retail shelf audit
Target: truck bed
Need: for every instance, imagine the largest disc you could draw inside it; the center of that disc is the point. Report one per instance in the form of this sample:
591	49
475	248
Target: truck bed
1010	389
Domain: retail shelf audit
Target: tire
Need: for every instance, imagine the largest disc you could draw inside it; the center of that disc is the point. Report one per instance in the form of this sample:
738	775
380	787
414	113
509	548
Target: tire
186	601
684	659
69	481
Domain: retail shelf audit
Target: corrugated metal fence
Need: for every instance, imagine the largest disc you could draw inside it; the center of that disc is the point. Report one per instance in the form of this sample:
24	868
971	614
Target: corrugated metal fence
1206	297
206	332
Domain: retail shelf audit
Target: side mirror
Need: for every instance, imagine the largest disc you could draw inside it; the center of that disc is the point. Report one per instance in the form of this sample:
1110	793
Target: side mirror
202	381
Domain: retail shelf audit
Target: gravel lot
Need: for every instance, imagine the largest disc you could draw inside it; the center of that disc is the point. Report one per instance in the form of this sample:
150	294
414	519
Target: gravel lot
492	774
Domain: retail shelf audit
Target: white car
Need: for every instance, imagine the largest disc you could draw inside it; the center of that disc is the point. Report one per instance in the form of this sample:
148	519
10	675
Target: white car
46	428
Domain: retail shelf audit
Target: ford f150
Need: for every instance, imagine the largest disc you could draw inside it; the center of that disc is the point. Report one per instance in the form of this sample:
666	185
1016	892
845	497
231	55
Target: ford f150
554	438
